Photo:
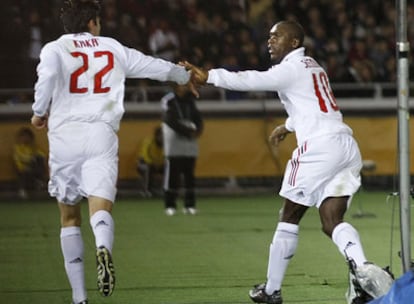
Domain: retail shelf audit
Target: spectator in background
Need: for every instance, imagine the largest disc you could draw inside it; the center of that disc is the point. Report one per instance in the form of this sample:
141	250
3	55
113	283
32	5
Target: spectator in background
151	163
358	51
230	63
391	69
182	125
200	25
163	41
248	49
35	46
29	162
111	17
129	33
256	9
14	47
379	54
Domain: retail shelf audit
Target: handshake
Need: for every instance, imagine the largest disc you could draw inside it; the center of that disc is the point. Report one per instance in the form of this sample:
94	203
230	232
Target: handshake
198	76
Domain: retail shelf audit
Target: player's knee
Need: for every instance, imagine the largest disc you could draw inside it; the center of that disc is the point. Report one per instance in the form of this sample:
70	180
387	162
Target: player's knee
70	220
70	215
328	229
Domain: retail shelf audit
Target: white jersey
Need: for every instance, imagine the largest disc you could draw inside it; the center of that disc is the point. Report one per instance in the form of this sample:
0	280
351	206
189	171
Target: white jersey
81	78
303	88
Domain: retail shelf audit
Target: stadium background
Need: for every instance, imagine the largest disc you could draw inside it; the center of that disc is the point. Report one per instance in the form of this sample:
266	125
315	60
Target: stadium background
353	40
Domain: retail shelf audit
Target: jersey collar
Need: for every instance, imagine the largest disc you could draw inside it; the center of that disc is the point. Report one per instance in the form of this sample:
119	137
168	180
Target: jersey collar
297	52
79	35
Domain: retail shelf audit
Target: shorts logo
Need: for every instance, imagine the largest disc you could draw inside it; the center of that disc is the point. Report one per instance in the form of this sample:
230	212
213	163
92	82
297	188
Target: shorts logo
295	164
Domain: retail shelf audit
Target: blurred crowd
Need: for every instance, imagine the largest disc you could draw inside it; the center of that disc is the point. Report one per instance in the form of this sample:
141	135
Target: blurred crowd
354	40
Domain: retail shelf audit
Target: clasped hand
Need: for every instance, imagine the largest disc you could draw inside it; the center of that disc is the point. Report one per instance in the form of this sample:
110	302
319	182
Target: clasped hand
198	76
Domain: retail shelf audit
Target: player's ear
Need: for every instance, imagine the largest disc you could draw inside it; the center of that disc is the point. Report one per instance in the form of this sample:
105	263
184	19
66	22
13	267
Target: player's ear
295	43
91	24
94	26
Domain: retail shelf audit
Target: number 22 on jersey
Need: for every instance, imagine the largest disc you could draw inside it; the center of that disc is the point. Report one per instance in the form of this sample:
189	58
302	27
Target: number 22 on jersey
324	92
74	86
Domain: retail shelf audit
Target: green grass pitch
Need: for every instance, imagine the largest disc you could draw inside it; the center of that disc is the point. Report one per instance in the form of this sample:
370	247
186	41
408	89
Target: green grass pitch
211	258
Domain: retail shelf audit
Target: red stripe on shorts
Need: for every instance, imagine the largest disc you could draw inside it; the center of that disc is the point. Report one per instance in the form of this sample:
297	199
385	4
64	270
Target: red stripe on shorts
295	165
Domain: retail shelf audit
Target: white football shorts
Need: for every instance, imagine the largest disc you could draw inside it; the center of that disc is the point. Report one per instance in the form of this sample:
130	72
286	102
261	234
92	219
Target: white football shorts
326	166
83	161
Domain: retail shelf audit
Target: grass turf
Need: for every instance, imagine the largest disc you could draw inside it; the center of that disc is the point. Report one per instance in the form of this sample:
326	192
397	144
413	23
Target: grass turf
211	258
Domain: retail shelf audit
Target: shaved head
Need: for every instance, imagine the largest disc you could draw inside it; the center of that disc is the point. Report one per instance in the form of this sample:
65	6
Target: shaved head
295	30
284	37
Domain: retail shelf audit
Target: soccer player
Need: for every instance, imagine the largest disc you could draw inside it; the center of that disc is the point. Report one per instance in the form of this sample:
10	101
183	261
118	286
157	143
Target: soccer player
79	98
324	171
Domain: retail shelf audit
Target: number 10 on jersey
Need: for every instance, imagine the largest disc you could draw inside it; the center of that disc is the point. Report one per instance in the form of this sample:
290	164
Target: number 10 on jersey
324	92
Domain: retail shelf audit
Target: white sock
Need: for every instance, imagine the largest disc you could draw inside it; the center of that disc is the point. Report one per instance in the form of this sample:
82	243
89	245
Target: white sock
347	239
282	249
103	228
72	248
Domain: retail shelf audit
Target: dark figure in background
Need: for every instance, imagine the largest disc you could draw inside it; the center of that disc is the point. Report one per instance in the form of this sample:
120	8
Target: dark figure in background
29	162
182	125
151	163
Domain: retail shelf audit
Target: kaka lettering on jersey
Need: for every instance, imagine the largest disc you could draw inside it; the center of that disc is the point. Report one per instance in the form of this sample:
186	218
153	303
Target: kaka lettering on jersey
310	63
86	43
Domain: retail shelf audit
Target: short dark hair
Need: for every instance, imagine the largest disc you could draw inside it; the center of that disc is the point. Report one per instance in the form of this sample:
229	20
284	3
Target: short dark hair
76	14
296	30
